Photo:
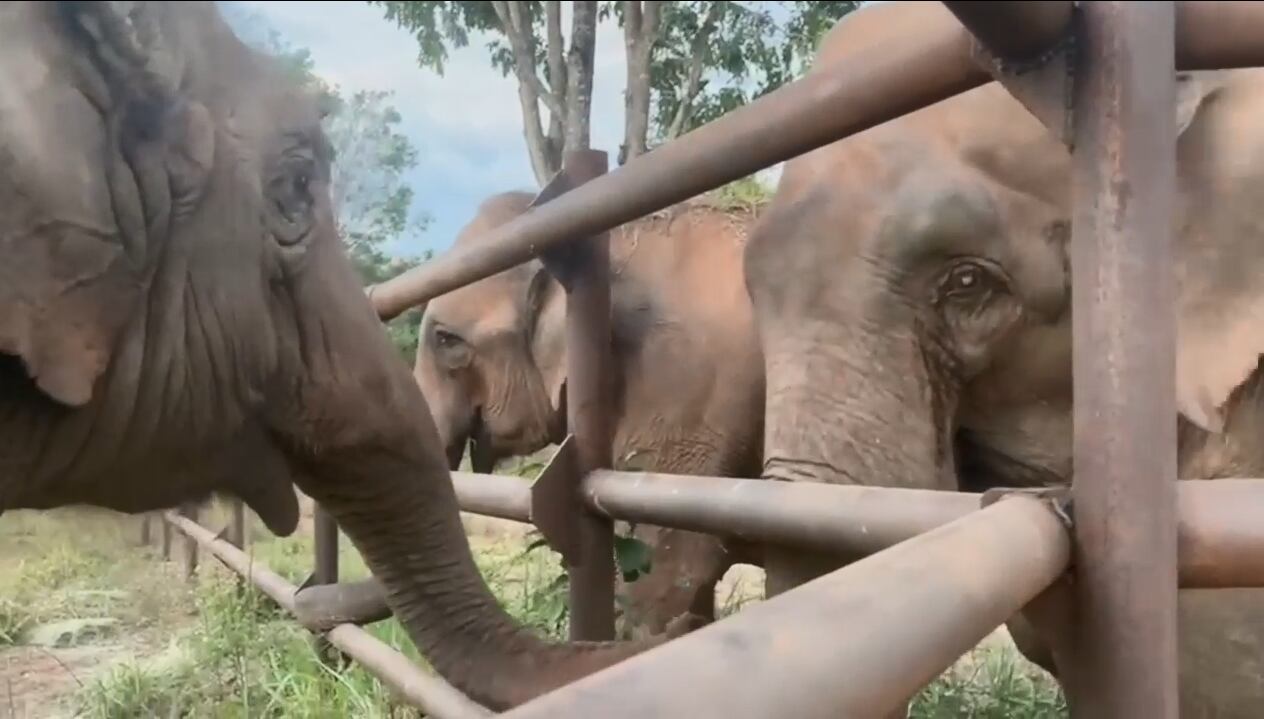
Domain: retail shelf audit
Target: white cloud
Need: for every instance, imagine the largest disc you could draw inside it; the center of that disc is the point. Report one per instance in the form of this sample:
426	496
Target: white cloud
466	124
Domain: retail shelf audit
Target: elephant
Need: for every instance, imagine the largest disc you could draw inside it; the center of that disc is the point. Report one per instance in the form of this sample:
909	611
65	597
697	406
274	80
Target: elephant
911	287
178	319
688	395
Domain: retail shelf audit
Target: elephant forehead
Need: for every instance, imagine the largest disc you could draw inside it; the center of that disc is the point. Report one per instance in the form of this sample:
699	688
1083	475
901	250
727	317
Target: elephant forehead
490	306
51	137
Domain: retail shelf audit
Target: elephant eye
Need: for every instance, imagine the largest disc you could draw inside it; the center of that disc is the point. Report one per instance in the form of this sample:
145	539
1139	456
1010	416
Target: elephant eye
967	278
444	338
451	351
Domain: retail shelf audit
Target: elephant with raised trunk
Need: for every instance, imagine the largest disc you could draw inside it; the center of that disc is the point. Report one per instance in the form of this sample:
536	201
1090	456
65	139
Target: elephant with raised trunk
688	396
911	287
177	318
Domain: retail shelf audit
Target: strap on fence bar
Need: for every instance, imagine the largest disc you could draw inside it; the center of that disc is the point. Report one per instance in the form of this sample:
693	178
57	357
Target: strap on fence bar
1124	660
418	688
855	642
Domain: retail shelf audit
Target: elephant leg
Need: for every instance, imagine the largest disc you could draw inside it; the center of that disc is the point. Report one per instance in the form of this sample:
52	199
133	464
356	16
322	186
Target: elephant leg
686	568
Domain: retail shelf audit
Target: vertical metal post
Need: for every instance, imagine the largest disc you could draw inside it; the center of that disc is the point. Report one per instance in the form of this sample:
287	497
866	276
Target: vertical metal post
146	529
190	544
588	408
1124	661
236	534
326	541
166	538
325	529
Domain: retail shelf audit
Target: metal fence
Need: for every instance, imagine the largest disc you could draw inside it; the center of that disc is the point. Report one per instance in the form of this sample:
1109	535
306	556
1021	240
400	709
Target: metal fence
892	621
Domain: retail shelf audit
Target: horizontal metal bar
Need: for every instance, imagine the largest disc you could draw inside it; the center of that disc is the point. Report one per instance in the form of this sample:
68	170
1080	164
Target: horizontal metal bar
416	687
856	642
494	495
812	516
1015	30
1216	34
1221	541
870	87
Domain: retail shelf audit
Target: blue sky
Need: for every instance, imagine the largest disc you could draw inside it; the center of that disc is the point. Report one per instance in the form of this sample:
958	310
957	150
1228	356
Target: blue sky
466	125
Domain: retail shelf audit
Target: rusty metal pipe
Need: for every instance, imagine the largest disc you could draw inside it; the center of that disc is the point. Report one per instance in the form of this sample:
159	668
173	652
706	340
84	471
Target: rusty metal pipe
855	642
494	495
828	104
429	693
325	547
1214	34
820	517
1124	658
584	272
1015	30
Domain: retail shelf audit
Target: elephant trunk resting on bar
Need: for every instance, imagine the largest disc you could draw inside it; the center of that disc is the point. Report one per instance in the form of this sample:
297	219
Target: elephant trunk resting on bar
688	392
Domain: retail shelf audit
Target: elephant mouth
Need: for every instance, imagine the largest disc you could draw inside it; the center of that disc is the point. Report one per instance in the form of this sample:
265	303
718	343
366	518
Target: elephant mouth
482	457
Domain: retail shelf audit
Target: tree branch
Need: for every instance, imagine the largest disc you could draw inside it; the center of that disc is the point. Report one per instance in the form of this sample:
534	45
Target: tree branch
522	43
544	157
579	74
555	50
698	52
640	32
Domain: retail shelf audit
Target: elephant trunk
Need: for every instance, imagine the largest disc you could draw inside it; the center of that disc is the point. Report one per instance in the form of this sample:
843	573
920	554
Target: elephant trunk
411	538
365	446
848	409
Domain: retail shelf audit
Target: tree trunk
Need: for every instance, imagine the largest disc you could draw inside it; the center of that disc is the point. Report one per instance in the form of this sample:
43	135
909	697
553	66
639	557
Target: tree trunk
579	72
556	52
640	31
545	159
699	50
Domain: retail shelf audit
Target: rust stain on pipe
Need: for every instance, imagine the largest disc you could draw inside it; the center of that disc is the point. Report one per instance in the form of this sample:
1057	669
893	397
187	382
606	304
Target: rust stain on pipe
1124	658
853	643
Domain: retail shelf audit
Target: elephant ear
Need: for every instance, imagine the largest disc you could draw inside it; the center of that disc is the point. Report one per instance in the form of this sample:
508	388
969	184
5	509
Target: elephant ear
72	231
1220	247
544	314
65	296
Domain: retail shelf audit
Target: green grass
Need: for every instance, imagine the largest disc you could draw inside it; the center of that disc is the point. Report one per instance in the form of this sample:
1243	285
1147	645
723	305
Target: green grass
217	650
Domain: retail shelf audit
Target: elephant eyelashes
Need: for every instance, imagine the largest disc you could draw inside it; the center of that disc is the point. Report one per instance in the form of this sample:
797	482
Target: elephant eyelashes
292	200
967	281
451	350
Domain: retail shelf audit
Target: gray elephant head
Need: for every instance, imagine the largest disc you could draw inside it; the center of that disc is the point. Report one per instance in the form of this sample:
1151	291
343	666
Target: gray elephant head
912	291
177	318
912	287
491	356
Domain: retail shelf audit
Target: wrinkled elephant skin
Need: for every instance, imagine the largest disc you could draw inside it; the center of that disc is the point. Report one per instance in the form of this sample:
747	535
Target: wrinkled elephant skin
178	318
912	292
689	378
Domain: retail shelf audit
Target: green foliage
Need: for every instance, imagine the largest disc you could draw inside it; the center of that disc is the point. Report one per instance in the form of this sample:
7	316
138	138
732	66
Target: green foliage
438	25
748	52
633	557
746	49
992	683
